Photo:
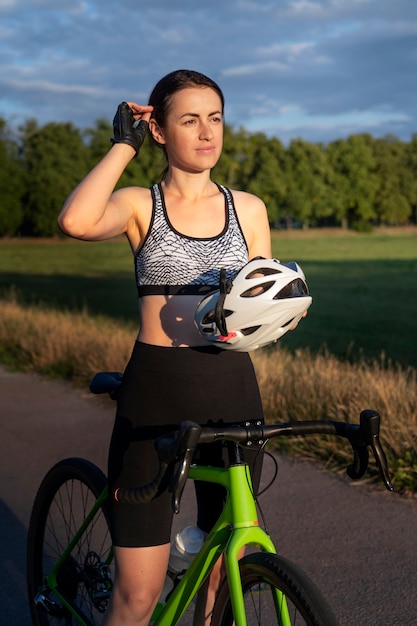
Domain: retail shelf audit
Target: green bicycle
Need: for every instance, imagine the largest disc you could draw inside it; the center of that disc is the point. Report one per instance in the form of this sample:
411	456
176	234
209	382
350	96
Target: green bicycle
69	552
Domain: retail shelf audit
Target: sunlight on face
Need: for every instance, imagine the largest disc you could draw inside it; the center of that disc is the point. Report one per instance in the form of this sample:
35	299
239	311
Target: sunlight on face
193	133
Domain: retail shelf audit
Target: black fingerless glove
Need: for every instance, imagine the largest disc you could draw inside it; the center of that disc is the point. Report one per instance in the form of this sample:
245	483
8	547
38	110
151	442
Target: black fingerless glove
126	130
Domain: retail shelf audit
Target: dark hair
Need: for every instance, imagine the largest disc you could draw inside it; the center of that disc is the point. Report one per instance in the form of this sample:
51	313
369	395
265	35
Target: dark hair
164	89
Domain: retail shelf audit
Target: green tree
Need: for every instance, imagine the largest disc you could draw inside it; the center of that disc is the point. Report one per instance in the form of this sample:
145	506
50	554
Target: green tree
12	183
227	171
354	164
147	168
311	193
409	176
56	160
391	205
261	172
98	141
352	181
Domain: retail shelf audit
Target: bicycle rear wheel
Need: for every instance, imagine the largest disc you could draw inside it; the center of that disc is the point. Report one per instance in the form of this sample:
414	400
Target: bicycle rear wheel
261	573
66	496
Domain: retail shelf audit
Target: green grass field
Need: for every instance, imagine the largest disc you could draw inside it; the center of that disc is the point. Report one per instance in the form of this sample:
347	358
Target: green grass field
364	287
364	292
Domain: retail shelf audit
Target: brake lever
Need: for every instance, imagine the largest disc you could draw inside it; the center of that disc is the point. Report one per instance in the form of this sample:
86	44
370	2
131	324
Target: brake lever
188	439
370	422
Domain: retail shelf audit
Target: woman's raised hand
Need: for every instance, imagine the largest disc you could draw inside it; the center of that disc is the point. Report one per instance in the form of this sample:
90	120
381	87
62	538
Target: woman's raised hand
130	124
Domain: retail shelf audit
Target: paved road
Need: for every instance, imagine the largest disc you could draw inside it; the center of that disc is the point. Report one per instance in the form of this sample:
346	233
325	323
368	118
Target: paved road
358	543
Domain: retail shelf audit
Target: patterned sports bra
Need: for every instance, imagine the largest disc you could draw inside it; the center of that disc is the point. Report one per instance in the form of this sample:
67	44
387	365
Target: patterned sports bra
170	263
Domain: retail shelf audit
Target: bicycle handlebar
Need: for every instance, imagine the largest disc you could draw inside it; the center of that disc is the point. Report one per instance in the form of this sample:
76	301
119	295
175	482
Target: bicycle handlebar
181	445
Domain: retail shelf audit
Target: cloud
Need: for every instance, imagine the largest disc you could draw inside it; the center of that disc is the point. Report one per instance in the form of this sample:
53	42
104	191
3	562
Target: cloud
312	68
49	88
294	122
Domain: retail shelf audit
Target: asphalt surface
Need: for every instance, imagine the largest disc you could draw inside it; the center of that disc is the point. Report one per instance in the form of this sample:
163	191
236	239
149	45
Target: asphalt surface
357	542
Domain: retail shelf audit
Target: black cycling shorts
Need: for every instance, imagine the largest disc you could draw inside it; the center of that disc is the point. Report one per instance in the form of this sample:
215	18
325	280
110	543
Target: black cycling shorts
162	386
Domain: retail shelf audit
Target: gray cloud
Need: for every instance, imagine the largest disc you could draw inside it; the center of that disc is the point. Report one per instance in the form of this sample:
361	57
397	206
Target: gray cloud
316	69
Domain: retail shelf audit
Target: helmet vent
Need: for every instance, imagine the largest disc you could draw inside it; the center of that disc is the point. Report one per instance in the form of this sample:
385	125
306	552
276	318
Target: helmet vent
289	322
295	289
249	331
210	317
257	290
263	271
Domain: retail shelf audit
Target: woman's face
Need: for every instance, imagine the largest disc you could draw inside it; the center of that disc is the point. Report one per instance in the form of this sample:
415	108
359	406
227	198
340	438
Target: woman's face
193	132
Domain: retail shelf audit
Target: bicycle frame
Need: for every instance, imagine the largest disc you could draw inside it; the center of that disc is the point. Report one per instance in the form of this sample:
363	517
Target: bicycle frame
236	528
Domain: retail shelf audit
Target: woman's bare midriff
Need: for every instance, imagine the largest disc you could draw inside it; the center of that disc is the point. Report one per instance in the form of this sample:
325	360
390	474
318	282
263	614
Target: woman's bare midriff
169	321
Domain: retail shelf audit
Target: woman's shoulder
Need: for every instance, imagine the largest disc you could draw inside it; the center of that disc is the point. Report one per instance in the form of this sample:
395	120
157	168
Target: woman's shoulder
247	201
253	218
134	193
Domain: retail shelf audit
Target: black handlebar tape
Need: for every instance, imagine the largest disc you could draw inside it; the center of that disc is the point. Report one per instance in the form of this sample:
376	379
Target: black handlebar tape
140	495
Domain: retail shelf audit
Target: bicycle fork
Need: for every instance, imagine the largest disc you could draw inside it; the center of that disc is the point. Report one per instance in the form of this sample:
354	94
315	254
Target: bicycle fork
247	533
229	538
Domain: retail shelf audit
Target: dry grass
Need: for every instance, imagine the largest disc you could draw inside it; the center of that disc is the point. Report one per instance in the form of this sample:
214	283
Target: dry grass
60	344
293	386
305	386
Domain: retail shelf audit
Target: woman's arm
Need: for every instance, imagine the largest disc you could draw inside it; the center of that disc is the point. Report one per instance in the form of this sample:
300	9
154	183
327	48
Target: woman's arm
253	218
92	211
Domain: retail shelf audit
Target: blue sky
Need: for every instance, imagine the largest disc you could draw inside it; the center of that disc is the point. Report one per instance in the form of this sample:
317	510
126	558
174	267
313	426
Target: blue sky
316	69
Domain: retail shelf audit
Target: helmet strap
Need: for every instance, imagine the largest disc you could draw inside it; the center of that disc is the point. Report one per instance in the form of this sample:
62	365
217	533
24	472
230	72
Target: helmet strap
225	287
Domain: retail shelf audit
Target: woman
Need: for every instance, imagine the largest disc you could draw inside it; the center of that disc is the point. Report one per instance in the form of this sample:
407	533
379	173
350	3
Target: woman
181	232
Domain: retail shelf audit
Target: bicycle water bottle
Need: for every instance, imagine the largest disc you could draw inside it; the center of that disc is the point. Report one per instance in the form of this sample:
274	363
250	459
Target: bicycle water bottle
184	547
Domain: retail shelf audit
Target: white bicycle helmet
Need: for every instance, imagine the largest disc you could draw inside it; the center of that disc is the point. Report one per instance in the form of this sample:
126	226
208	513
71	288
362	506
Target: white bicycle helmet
264	300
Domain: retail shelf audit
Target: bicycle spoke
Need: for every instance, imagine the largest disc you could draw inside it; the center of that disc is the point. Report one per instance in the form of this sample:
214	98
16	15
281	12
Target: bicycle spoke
84	578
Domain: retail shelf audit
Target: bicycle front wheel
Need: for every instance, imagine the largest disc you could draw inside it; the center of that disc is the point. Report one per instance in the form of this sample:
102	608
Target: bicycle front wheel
78	589
297	603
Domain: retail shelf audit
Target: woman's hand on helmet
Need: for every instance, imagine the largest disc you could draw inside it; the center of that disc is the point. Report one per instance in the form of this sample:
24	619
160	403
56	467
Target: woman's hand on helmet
298	321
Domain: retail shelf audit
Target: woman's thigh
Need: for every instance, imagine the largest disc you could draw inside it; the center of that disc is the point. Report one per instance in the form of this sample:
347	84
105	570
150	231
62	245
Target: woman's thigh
162	387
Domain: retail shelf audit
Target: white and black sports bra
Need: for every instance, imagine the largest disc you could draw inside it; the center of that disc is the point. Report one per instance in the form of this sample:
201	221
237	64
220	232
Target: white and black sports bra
170	263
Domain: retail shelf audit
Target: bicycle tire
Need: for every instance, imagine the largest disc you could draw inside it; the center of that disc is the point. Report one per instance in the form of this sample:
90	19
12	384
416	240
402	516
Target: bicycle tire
65	496
261	572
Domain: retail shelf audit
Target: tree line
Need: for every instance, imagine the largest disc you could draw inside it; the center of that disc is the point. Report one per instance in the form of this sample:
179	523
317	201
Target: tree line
355	182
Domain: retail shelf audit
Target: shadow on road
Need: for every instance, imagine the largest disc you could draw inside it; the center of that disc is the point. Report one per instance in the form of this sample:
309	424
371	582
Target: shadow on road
13	597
